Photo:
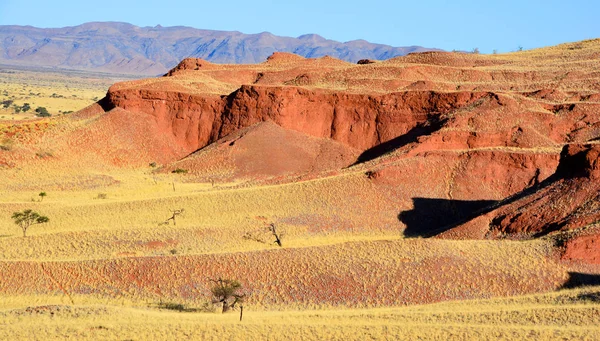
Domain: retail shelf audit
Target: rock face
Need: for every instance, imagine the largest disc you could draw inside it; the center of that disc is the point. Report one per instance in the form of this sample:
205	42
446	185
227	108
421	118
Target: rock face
568	200
357	120
453	144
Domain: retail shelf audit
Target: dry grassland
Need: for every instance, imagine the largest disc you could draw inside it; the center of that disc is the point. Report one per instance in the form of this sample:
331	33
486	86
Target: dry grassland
59	92
565	315
106	259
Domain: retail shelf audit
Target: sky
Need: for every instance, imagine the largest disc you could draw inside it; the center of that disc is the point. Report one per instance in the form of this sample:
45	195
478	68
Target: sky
450	25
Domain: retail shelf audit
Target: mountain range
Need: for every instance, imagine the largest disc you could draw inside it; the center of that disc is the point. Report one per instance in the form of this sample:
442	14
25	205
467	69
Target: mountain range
123	48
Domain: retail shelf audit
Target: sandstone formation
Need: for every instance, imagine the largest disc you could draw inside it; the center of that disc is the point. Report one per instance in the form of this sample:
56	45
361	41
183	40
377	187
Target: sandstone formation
567	200
446	140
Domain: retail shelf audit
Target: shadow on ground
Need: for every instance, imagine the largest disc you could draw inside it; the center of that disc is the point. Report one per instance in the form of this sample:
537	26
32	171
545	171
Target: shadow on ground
579	279
430	217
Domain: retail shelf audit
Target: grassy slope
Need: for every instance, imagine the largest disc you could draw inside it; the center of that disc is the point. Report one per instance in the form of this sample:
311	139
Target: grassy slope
571	314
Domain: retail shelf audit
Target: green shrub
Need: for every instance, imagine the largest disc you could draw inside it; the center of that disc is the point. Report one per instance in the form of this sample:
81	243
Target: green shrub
42	112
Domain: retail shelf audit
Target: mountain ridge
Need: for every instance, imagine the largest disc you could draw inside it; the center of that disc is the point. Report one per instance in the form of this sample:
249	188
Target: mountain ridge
118	47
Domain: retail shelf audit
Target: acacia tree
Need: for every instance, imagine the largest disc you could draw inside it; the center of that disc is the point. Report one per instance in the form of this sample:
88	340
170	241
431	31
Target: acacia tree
226	292
27	218
42	195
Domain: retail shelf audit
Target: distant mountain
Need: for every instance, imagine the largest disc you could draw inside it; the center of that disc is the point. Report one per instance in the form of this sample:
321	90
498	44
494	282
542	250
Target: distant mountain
125	48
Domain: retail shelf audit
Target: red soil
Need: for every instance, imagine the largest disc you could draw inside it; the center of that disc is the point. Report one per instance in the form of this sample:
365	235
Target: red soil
442	126
584	249
568	200
265	150
343	275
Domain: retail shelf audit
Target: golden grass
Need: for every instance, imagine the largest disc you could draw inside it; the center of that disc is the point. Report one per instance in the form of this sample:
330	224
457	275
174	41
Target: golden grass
104	260
562	315
59	92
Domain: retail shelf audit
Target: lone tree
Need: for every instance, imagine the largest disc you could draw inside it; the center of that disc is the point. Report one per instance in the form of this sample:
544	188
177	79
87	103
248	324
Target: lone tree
42	195
226	292
259	235
27	218
277	235
174	215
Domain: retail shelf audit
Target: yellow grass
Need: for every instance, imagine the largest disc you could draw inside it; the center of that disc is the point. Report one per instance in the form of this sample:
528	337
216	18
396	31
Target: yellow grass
98	269
562	315
59	92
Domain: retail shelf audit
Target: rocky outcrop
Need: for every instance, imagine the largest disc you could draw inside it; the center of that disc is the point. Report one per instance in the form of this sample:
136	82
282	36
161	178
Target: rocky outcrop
568	200
189	64
358	120
585	249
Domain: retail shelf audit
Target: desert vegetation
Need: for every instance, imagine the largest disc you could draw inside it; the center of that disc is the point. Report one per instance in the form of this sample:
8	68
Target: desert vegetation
27	218
28	94
433	196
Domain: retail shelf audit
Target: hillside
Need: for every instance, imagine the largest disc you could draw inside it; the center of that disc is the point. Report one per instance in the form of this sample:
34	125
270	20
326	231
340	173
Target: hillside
356	165
127	49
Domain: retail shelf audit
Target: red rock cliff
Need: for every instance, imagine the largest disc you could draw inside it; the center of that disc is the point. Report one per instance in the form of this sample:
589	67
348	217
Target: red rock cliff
358	120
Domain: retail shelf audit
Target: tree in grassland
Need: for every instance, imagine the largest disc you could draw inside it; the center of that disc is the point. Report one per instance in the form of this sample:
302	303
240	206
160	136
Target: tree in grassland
42	112
27	218
226	292
259	235
42	195
173	217
276	234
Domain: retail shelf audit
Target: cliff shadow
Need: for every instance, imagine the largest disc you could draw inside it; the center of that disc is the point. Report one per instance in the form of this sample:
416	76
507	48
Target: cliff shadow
106	104
579	279
425	128
430	217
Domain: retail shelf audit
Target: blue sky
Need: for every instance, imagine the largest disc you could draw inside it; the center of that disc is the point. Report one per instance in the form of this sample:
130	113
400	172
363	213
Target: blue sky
459	24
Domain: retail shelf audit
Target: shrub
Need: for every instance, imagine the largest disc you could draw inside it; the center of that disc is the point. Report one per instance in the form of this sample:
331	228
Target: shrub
101	196
42	112
226	292
180	171
7	103
27	218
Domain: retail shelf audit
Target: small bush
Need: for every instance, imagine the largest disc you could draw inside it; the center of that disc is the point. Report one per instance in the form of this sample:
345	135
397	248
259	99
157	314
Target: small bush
101	196
6	145
42	154
180	171
42	112
7	103
182	307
